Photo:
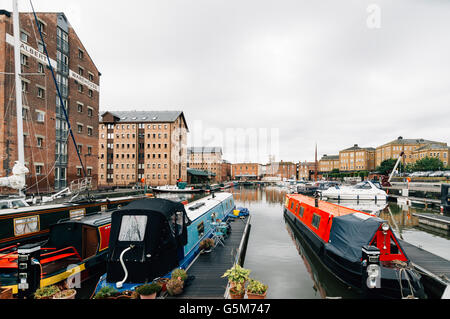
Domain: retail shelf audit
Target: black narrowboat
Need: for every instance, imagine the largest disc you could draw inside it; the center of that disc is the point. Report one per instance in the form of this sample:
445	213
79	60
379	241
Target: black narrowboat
75	248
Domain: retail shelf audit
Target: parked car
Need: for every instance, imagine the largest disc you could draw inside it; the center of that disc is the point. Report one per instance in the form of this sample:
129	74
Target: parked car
436	174
447	173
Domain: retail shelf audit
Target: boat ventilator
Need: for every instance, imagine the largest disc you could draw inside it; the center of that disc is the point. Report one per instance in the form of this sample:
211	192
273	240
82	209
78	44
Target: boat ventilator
119	284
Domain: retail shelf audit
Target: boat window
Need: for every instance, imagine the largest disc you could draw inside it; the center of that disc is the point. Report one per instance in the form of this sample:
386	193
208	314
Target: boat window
18	203
292	205
26	225
301	211
132	228
200	229
315	221
363	186
179	223
4	205
394	247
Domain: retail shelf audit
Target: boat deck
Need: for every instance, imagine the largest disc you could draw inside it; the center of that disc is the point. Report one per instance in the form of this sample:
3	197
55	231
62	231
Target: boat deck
208	268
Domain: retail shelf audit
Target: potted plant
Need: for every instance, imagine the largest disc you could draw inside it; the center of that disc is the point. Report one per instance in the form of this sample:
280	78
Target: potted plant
106	292
148	291
237	291
175	286
65	294
162	282
206	245
46	292
237	274
256	290
179	273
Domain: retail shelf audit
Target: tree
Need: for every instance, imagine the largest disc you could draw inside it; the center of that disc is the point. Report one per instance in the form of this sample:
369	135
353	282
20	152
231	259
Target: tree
428	164
387	166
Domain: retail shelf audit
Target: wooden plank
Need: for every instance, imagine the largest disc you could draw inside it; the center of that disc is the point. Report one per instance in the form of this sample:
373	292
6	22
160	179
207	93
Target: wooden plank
208	268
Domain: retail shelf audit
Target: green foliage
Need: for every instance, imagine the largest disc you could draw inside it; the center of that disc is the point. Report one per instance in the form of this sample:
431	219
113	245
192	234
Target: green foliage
148	289
256	287
179	273
387	166
206	243
237	289
106	292
45	292
174	286
237	274
428	164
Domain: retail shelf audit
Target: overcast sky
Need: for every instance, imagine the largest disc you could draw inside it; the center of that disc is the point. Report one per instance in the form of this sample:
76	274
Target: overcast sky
333	72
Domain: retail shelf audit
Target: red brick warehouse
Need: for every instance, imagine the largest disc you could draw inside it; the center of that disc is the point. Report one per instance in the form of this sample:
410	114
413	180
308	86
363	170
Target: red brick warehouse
49	151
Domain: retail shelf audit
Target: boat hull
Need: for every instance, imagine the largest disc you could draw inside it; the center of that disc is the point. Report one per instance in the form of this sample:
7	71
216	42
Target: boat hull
351	274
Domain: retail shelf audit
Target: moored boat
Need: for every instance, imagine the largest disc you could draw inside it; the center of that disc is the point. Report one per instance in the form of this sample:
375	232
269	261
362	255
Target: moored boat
366	190
75	247
175	189
32	223
358	248
152	237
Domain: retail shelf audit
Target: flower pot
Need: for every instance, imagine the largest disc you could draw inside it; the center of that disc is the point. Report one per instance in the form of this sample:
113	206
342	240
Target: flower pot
152	296
6	293
235	296
256	296
65	294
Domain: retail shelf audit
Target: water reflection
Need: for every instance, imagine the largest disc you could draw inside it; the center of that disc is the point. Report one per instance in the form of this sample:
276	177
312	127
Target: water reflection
276	252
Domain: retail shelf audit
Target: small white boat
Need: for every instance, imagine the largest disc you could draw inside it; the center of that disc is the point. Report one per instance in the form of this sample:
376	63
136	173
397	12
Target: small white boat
362	191
174	189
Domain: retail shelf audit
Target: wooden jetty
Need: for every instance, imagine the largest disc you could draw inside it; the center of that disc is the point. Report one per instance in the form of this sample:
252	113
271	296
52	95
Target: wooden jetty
426	202
435	270
208	268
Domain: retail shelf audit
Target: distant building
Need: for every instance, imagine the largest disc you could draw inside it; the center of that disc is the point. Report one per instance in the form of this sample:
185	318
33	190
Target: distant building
226	171
282	170
206	158
246	171
433	151
306	170
136	146
328	163
408	146
50	154
357	158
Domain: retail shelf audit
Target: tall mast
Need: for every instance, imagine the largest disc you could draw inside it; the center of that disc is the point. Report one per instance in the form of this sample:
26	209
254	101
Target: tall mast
315	164
17	69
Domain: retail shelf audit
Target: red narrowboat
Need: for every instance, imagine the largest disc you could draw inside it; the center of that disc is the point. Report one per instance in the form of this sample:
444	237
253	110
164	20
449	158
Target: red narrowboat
360	249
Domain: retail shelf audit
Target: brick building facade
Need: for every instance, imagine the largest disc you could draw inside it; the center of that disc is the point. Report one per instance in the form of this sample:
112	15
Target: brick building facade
142	145
49	151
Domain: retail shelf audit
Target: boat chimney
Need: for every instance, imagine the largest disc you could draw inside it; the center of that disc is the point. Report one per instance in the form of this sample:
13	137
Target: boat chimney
400	137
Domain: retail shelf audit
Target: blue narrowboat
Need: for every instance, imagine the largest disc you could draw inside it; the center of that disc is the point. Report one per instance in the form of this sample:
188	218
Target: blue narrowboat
150	238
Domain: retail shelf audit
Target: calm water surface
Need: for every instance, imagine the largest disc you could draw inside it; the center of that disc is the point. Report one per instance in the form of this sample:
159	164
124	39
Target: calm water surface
277	255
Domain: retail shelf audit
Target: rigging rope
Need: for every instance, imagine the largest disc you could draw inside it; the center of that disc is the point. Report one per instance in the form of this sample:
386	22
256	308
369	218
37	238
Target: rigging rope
57	90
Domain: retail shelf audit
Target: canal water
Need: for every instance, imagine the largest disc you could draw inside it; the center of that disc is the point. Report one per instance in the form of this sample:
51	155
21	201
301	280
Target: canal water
277	255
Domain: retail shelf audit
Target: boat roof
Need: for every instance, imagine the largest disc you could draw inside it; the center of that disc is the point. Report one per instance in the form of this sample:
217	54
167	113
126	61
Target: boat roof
26	209
95	219
209	202
333	209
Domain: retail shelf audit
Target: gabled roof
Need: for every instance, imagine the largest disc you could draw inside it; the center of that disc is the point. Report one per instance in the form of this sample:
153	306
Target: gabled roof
432	146
329	157
413	141
145	116
356	148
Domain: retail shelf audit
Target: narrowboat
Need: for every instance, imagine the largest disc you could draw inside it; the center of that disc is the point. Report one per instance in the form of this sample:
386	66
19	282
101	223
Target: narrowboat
152	237
226	185
360	249
75	247
32	223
